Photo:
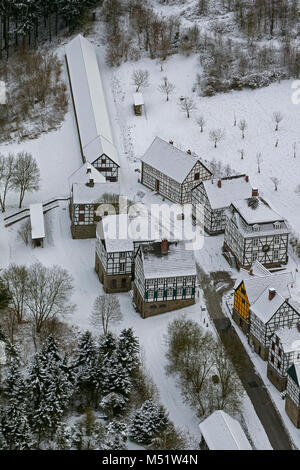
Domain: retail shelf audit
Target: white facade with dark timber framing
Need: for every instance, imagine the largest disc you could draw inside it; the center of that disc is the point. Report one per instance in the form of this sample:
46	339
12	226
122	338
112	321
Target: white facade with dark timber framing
171	172
115	250
292	398
254	231
213	197
269	313
91	110
164	278
283	352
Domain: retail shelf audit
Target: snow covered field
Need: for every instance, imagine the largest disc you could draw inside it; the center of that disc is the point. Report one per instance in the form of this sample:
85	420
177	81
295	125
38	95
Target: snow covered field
58	155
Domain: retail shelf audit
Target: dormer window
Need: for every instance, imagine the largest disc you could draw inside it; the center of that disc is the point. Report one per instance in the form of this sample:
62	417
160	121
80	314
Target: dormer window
255	228
277	225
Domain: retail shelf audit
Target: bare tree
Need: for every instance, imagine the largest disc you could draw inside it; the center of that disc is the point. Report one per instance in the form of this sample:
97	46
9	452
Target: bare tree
216	135
24	232
47	294
26	175
15	279
8	175
166	87
243	126
242	153
258	161
186	105
140	79
275	181
201	122
106	310
277	118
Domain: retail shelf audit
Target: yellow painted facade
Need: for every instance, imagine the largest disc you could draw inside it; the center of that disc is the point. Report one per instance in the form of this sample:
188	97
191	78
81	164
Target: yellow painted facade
241	302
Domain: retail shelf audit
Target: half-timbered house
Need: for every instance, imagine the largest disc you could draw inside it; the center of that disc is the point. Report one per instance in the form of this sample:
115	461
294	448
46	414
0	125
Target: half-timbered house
283	352
164	278
292	397
213	197
267	314
116	246
89	190
171	172
254	231
91	111
221	432
251	284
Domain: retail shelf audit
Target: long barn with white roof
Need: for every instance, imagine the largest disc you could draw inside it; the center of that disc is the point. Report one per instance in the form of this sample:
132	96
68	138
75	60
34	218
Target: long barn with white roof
91	110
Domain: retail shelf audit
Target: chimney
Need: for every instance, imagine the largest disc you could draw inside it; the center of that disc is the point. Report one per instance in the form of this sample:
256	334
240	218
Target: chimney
254	192
298	326
272	293
88	170
171	142
189	152
220	184
91	182
247	179
251	272
164	246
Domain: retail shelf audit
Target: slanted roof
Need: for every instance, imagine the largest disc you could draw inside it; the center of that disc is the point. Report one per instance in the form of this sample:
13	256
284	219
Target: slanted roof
85	173
289	338
222	432
264	308
262	214
37	221
99	146
83	194
232	188
281	281
177	262
169	160
294	373
138	99
89	97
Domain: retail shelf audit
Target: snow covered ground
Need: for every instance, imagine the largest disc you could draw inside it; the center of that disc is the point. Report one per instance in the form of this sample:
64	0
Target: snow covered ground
58	155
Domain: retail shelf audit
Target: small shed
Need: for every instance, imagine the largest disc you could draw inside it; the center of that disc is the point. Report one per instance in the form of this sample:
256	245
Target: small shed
37	224
138	101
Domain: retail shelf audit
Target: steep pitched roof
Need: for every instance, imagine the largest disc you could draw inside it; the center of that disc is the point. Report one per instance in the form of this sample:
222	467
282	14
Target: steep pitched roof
89	99
83	194
231	189
84	173
289	338
169	160
264	308
222	432
262	214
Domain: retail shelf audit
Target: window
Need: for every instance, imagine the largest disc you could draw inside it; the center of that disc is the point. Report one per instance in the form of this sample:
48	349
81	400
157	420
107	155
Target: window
277	340
197	176
255	228
276	254
277	225
277	240
279	353
278	364
81	207
243	291
273	346
122	267
272	358
255	241
254	256
103	161
81	217
123	255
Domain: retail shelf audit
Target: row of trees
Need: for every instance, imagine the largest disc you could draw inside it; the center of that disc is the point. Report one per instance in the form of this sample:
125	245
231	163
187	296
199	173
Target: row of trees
28	21
206	375
19	172
106	377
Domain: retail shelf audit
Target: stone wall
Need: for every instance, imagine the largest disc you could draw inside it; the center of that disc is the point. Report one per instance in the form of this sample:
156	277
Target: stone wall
277	380
107	280
292	411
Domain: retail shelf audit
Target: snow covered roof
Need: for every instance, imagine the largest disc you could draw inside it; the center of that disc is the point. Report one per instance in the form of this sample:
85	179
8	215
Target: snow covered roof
89	100
138	99
231	189
289	338
85	173
221	432
264	308
37	221
84	194
257	283
262	214
169	160
177	262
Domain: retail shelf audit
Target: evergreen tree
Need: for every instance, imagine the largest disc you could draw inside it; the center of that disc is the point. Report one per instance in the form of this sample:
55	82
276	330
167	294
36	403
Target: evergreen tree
148	422
85	368
128	350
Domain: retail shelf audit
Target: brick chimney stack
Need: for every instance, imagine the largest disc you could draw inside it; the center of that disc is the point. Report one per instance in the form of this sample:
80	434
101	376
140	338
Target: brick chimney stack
164	246
254	192
171	142
220	184
247	179
88	170
91	183
298	326
251	272
189	152
272	293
